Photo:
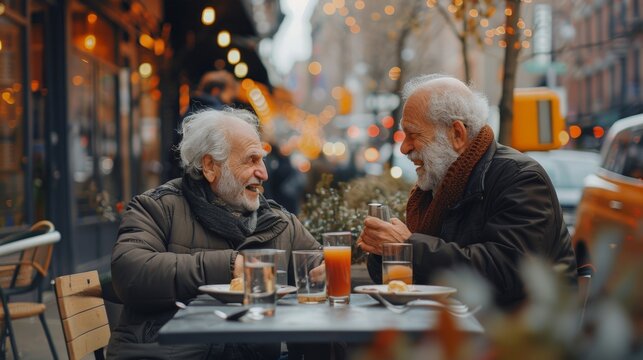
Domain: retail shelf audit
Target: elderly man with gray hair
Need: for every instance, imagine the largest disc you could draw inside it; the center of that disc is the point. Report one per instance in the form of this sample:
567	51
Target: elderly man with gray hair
188	232
476	203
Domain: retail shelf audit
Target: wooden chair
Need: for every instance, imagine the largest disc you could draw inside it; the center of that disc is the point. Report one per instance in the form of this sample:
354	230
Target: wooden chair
82	312
21	275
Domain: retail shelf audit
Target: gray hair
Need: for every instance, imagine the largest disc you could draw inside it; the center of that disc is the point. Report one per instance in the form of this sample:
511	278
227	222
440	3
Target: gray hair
206	132
448	104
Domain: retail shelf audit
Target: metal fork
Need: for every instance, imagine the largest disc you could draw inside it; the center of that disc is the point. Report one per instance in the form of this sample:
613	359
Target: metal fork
462	311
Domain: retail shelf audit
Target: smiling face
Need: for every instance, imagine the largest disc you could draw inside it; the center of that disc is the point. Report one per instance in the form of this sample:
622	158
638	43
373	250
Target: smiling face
240	177
426	144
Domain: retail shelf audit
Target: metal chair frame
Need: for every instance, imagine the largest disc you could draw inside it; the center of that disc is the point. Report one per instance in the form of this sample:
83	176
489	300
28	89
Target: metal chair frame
22	285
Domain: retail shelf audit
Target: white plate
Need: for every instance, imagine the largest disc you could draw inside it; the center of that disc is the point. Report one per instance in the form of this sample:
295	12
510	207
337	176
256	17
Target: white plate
222	292
425	292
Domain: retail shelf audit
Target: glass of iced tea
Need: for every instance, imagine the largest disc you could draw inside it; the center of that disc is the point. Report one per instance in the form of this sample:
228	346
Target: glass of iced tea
337	255
397	262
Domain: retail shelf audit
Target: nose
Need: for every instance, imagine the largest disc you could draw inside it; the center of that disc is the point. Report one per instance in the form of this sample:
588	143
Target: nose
406	146
261	172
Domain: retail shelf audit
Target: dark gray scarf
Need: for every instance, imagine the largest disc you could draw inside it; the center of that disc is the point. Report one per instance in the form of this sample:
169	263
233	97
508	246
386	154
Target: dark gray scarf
216	216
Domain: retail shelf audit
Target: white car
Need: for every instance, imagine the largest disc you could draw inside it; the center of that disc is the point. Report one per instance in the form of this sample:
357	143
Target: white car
567	170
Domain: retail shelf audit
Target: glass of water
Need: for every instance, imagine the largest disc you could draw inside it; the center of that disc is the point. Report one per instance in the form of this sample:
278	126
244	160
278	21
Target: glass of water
281	268
260	285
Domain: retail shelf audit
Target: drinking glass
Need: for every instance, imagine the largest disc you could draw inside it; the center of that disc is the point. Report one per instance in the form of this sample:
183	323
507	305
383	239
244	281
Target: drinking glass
281	267
397	262
337	255
310	276
259	282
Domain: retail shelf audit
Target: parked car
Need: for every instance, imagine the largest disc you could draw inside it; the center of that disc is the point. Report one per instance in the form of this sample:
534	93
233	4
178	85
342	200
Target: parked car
612	204
567	169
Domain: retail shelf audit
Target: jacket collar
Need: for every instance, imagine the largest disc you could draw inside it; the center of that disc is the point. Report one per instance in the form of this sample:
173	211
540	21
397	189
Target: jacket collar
475	185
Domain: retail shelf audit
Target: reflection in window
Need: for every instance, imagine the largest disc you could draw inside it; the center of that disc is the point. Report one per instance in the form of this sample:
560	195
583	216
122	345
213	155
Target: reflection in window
39	109
150	175
93	115
12	176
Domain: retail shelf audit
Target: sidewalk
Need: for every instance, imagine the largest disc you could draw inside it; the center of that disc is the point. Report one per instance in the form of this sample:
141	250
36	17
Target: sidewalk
30	337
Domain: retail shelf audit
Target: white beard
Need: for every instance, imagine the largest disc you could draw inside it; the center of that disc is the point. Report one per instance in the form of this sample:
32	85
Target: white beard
233	193
437	156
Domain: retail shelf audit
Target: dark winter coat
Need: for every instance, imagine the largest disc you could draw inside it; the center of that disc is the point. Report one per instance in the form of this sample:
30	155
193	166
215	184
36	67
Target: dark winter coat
163	254
509	210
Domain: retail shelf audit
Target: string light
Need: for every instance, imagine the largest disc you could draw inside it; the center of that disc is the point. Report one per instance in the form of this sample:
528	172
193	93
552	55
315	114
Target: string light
223	38
208	15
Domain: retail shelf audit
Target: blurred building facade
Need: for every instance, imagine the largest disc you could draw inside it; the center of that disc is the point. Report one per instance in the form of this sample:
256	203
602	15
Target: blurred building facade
364	52
79	118
90	99
604	62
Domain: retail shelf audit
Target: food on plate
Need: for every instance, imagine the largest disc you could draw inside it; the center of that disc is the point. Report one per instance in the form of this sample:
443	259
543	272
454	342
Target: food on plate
236	284
397	286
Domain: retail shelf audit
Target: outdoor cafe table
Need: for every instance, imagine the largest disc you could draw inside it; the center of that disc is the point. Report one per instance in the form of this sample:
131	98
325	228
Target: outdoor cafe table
355	323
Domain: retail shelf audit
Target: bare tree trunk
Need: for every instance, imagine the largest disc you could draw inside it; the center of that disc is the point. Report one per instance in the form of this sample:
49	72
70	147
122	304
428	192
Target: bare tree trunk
465	59
512	38
465	47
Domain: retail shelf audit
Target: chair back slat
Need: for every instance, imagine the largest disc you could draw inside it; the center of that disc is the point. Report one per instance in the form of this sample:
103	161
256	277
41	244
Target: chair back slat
88	342
82	312
76	304
85	322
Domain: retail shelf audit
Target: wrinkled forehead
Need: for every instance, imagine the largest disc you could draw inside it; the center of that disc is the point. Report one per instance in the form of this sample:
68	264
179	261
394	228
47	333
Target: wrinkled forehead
415	111
244	140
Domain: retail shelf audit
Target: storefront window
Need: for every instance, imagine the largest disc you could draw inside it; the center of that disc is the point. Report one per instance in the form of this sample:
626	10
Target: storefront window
81	135
150	95
108	136
39	94
12	175
93	115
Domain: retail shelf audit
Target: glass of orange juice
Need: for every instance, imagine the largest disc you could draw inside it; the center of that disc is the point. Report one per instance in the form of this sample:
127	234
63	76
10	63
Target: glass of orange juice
397	262
337	255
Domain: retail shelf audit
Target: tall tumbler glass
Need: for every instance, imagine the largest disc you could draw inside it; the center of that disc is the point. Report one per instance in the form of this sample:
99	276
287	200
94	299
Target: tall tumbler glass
260	286
337	255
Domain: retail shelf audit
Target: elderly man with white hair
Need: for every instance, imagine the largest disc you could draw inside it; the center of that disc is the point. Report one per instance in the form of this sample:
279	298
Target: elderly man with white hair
188	232
476	203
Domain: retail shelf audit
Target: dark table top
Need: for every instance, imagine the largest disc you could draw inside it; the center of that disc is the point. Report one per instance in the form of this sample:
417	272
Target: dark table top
293	322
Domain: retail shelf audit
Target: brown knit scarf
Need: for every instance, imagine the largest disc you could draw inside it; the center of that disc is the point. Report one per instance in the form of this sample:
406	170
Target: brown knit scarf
425	212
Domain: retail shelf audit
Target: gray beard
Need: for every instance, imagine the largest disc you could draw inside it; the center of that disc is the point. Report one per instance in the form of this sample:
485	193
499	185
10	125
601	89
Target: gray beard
231	192
437	157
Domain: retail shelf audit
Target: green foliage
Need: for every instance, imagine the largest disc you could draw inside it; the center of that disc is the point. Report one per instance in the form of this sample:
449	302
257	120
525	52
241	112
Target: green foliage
344	207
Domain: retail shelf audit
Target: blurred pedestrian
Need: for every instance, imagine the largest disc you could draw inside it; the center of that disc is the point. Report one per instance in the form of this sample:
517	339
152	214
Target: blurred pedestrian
287	184
476	203
216	90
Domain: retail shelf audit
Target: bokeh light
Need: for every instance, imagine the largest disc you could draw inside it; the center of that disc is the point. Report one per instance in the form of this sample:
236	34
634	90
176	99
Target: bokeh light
208	16
396	172
223	38
371	154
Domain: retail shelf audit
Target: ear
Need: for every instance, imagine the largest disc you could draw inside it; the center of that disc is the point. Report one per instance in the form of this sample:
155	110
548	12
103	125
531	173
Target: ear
211	169
459	136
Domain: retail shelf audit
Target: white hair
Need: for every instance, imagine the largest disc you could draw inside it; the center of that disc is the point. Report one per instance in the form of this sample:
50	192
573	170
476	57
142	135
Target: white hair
448	103
206	132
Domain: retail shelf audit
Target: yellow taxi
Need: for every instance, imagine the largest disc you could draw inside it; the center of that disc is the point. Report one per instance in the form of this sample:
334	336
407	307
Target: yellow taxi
610	213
